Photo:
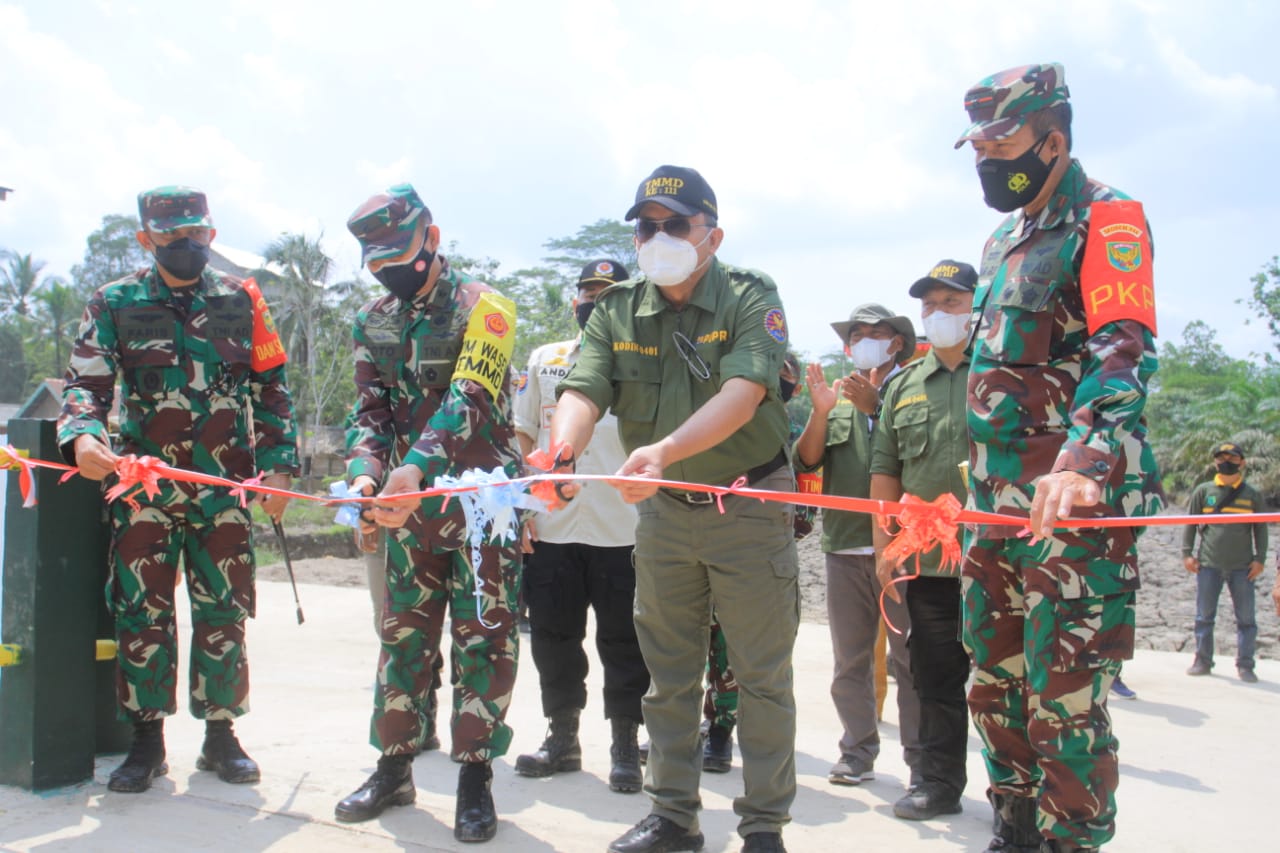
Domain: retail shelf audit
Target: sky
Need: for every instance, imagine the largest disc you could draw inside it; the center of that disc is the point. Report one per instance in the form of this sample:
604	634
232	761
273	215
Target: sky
825	128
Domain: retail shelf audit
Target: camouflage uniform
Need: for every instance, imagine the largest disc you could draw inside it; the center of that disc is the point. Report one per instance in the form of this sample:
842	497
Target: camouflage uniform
1048	622
193	399
410	409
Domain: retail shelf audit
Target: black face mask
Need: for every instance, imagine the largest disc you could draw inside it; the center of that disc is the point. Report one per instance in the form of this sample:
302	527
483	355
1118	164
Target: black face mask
183	259
405	280
786	389
1010	184
582	312
1228	468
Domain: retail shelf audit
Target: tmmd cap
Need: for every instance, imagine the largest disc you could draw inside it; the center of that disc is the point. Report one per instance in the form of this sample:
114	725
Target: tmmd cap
390	226
166	209
1227	447
1000	104
954	274
678	189
603	271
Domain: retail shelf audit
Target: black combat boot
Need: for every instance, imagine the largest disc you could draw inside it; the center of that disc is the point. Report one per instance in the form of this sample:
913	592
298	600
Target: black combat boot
625	776
221	752
559	753
1014	823
717	750
475	818
390	785
145	760
1058	845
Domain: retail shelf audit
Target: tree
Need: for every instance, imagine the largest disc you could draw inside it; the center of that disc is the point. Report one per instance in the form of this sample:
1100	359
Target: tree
110	253
605	238
59	308
19	280
1264	297
13	364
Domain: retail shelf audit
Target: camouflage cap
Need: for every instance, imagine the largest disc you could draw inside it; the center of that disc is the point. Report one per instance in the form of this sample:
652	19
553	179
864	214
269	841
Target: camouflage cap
872	314
390	226
1000	104
604	271
166	209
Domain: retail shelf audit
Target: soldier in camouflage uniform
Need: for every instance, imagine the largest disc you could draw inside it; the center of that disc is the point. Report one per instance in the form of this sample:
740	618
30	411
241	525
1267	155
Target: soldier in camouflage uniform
202	377
432	362
1061	356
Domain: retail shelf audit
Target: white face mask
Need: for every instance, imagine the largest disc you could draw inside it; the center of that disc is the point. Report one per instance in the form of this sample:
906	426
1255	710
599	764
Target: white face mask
869	353
946	330
668	261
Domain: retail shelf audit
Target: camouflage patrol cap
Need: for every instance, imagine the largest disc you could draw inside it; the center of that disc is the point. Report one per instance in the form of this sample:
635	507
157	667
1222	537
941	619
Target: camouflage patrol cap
1000	104
166	209
604	271
390	226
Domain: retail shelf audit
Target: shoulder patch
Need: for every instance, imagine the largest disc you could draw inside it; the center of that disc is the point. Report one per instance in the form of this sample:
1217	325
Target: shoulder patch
1116	280
776	325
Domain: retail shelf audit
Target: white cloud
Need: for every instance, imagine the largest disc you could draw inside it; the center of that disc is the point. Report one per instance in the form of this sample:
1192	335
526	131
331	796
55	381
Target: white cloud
1233	89
284	90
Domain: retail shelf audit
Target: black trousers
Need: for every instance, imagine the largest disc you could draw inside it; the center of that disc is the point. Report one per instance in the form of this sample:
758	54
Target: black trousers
939	668
561	581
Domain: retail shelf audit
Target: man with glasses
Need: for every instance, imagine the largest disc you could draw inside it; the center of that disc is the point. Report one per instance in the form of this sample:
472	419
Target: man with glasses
837	439
432	359
1062	352
202	377
687	357
581	560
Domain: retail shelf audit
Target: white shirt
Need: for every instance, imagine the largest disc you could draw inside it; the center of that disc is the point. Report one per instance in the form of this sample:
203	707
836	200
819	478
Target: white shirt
597	515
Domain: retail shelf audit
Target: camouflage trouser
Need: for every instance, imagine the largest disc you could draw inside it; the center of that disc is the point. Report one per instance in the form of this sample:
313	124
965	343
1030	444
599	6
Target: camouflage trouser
210	536
420	583
720	706
1047	625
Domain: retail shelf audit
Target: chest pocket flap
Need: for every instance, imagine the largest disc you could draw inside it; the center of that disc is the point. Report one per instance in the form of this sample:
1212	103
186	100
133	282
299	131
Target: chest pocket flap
637	380
911	424
840	424
146	336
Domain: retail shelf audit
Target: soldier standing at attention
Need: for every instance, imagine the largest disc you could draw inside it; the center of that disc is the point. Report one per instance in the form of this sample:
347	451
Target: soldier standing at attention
201	371
687	357
1062	352
432	360
581	560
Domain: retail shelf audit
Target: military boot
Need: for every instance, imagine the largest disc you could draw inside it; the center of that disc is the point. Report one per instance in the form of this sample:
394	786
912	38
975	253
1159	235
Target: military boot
144	762
1059	845
559	753
625	776
717	750
390	785
222	753
1014	823
475	818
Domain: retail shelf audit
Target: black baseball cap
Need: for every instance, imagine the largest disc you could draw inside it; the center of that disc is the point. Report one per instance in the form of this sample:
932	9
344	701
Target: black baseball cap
603	271
677	188
954	274
1228	447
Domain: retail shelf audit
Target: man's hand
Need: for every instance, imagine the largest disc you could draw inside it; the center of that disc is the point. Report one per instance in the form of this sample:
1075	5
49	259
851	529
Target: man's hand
862	392
1056	494
94	459
886	570
366	536
392	512
822	395
1255	569
1191	564
273	505
647	461
528	535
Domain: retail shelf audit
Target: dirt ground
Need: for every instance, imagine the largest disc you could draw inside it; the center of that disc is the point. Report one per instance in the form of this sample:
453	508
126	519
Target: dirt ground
1166	603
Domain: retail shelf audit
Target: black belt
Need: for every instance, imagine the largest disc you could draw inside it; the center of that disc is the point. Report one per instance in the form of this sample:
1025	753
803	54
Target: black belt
753	476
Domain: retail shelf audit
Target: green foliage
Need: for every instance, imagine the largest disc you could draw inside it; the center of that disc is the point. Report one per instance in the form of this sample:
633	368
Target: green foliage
1264	298
13	363
110	253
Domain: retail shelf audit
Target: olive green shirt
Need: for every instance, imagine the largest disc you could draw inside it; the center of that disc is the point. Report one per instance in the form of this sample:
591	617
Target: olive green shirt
630	365
844	464
923	436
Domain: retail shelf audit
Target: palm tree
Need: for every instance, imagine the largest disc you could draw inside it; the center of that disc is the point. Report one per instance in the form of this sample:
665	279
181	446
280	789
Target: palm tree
59	306
19	280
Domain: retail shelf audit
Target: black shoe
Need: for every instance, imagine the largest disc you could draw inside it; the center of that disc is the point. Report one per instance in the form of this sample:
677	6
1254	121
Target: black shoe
927	802
1014	823
644	753
763	842
475	818
656	834
1199	666
222	753
559	753
625	776
390	785
1248	676
144	762
1057	845
717	750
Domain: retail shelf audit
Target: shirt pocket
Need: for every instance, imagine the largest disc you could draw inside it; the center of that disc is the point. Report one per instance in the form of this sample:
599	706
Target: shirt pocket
637	381
839	425
1093	618
1020	322
912	427
228	328
147	338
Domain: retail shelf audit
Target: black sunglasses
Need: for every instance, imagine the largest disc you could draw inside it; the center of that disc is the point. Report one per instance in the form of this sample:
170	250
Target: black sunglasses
677	226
